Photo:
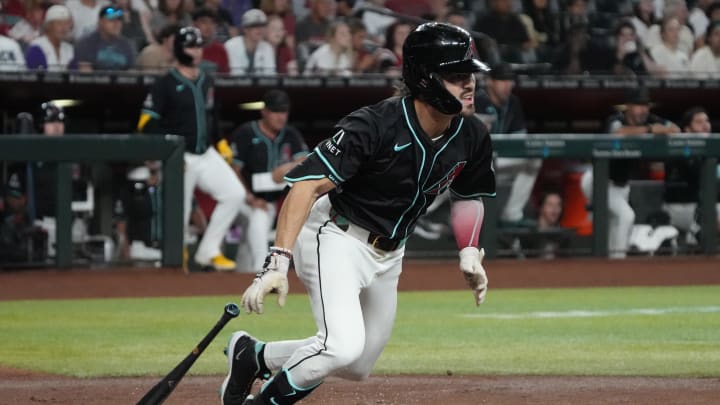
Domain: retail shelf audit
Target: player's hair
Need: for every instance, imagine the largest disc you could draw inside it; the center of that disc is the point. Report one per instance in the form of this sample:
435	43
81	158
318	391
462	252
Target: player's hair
689	114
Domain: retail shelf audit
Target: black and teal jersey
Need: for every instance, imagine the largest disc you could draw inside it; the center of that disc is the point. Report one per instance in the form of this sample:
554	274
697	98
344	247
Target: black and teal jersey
255	152
387	169
180	106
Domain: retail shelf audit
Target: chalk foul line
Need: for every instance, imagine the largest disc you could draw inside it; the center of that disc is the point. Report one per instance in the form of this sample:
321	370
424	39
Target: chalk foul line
578	313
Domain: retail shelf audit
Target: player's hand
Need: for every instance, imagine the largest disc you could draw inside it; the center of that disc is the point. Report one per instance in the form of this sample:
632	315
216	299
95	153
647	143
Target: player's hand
472	268
272	279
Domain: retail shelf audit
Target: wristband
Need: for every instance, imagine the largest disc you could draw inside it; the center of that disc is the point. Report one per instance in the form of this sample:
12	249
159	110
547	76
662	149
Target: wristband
277	250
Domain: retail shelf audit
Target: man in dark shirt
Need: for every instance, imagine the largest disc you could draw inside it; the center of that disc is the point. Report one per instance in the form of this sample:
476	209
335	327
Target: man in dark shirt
106	48
682	180
633	119
502	113
263	152
506	28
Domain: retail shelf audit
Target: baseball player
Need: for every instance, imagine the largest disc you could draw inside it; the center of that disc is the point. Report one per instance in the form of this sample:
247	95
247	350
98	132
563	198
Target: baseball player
181	102
264	151
353	203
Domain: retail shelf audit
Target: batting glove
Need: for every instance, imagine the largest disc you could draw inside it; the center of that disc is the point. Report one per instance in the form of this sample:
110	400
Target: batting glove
272	279
472	269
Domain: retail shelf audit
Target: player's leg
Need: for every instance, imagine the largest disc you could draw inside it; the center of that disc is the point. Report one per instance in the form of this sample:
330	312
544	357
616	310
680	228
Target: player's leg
522	186
190	177
623	219
219	181
379	304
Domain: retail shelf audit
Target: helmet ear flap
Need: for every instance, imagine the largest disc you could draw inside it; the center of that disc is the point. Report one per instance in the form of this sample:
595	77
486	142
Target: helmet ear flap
444	101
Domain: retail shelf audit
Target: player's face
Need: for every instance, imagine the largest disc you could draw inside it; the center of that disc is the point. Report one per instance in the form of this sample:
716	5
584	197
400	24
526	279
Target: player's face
637	113
276	121
500	89
551	208
196	53
54	128
206	25
700	124
462	86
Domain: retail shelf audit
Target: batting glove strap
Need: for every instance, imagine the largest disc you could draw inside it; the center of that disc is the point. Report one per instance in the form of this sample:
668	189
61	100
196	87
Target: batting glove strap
281	251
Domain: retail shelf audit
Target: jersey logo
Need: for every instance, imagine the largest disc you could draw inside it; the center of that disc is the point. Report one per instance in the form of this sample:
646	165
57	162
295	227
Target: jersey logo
445	182
398	148
337	138
179	87
332	145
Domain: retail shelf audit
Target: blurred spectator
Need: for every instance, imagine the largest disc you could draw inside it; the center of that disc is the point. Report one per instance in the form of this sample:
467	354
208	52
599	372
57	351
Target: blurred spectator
106	48
543	26
573	14
84	16
158	57
215	57
30	26
282	9
390	57
237	8
581	55
276	36
344	9
415	8
643	18
264	151
713	11
334	57
311	31
376	23
705	62
51	52
630	57
698	20
169	12
502	113
438	10
634	118
136	26
11	56
674	9
550	210
365	51
226	29
458	18
250	53
682	180
671	60
508	30
548	241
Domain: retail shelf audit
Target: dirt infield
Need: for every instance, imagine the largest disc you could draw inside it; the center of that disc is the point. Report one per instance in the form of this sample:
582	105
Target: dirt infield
23	387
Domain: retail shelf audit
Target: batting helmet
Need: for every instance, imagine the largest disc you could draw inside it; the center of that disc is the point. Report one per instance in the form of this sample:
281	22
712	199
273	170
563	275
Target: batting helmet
186	37
51	112
431	50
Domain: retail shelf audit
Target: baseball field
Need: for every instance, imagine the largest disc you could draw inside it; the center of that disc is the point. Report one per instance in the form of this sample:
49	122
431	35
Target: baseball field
566	331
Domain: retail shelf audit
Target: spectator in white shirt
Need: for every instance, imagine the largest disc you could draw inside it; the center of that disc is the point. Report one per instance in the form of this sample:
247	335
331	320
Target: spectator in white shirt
673	9
85	16
11	56
643	17
249	53
671	60
336	55
705	62
699	20
51	52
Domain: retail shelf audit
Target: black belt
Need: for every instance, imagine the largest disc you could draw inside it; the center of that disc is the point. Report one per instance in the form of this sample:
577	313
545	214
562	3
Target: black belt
375	240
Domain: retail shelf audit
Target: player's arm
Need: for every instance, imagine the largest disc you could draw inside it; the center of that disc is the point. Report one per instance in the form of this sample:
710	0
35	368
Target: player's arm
153	109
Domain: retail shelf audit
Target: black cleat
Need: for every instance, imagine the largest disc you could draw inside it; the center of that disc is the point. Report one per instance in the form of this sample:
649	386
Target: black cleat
244	367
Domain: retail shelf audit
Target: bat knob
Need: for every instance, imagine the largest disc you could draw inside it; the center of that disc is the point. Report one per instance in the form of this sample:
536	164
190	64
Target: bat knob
232	309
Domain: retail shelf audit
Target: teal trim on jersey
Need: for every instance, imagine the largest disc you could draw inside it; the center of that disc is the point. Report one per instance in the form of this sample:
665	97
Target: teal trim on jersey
422	166
199	102
272	146
302	153
309	177
325	161
151	113
295	387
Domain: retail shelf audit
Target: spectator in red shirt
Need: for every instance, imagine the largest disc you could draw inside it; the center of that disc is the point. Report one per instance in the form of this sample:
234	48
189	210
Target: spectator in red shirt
282	9
215	58
276	35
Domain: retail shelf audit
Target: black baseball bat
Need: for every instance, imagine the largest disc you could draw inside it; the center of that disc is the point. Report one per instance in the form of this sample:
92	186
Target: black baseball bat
159	393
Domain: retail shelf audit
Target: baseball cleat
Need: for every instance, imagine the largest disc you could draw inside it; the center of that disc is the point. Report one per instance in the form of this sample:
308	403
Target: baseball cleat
217	263
243	368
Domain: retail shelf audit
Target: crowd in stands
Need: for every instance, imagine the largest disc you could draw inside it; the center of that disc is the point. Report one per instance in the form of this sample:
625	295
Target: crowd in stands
662	38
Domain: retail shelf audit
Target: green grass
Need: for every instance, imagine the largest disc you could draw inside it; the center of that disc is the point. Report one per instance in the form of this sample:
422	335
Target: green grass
662	331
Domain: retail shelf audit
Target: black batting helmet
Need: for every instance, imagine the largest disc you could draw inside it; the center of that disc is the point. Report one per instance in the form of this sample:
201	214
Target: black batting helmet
51	112
431	50
186	37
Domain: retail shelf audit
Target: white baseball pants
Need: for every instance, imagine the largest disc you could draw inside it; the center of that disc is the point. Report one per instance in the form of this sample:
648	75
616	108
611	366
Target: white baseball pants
622	216
522	173
353	294
213	175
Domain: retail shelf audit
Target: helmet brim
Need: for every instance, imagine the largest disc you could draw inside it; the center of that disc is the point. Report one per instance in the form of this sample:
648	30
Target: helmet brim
464	66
